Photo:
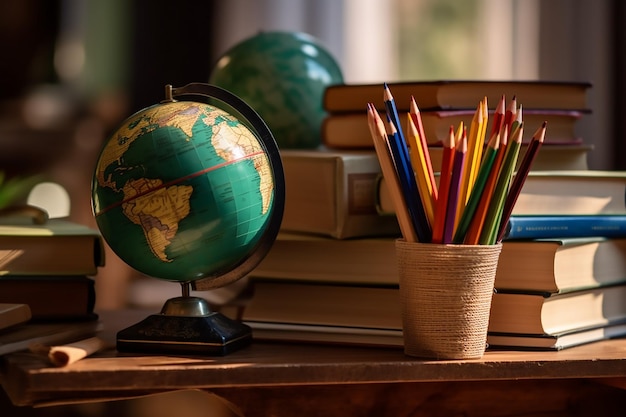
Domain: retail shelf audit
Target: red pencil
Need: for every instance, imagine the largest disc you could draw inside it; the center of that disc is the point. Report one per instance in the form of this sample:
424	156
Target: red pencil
510	114
498	117
444	187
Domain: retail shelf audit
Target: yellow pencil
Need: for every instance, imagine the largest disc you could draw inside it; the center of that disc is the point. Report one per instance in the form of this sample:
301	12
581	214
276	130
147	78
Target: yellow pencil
420	168
466	176
478	145
416	116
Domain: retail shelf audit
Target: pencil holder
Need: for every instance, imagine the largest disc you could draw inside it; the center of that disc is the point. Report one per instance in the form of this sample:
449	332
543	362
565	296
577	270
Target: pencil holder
445	295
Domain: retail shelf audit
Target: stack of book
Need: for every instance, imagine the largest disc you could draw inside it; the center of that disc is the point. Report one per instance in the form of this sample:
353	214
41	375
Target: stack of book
49	270
319	288
551	294
331	276
446	103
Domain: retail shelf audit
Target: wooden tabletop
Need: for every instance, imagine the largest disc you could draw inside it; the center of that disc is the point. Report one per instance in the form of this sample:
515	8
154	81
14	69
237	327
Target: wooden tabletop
30	380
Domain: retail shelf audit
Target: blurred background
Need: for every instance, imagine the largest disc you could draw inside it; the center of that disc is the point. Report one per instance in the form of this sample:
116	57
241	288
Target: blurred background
73	69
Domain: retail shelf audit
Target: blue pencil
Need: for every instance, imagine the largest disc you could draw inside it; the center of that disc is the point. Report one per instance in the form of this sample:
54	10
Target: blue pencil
404	171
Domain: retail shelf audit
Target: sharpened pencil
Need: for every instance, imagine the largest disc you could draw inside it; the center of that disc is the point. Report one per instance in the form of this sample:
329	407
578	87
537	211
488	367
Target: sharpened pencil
417	120
420	168
444	187
477	223
455	188
490	229
477	189
381	145
520	177
402	162
471	164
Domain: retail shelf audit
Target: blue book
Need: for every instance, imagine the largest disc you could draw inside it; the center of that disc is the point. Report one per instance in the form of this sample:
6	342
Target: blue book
565	226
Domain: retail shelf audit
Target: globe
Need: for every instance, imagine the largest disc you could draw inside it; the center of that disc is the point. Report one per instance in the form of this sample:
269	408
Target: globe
184	190
283	76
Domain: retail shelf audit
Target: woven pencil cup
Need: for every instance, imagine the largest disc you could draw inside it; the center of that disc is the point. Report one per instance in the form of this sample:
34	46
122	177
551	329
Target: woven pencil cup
445	294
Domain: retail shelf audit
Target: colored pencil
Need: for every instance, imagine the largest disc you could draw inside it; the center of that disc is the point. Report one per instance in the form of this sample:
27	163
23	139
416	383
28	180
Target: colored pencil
404	171
381	145
420	168
417	119
477	223
392	111
490	229
477	189
498	116
471	165
444	187
520	177
510	114
455	187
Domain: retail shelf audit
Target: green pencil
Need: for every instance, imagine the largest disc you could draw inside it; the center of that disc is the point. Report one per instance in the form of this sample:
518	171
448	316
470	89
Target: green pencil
490	229
477	190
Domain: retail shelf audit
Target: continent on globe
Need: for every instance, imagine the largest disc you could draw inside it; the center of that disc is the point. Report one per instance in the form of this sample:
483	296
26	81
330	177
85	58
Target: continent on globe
158	213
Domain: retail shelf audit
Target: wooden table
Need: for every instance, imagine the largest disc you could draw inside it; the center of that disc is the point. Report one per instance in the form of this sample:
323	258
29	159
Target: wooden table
299	379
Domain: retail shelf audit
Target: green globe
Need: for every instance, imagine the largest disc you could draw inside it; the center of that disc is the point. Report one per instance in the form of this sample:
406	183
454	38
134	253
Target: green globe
283	76
183	190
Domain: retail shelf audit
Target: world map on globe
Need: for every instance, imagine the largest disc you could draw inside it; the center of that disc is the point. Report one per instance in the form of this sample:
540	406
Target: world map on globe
182	190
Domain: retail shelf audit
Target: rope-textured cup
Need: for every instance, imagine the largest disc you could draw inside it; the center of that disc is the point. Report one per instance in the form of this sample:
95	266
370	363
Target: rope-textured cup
445	292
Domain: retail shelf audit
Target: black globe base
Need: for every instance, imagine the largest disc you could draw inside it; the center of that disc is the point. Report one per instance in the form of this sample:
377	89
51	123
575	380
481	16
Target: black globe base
177	331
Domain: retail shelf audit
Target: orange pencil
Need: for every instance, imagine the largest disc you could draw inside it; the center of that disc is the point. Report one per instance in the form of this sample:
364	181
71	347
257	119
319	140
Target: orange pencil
475	229
444	187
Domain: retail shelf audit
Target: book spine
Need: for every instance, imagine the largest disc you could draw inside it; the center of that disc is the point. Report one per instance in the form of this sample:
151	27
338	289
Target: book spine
542	227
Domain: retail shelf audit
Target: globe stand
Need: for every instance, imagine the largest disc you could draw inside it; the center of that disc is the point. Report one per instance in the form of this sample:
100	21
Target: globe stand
185	325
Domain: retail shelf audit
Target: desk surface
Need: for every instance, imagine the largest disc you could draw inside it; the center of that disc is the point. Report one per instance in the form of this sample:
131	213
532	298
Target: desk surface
29	380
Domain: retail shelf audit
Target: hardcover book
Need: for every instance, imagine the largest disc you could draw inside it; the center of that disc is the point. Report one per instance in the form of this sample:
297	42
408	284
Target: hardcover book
57	247
445	94
351	131
550	314
313	333
564	226
557	192
12	314
555	341
538	320
51	297
549	265
333	194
